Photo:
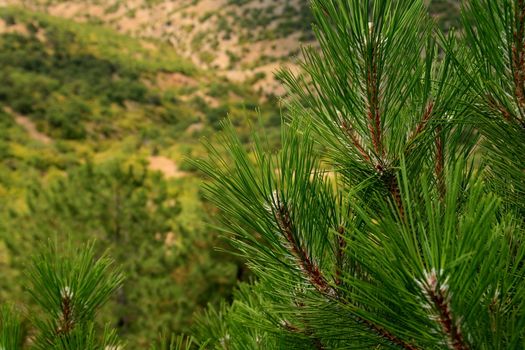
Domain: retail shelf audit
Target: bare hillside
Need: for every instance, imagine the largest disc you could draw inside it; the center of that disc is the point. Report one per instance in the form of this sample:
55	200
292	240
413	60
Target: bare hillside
242	39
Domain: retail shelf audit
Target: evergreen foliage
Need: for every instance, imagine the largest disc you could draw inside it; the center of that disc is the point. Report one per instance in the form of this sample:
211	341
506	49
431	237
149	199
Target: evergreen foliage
11	331
392	216
69	288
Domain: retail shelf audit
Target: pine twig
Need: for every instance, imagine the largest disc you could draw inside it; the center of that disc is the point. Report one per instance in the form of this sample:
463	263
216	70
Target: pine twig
388	336
316	277
438	299
395	192
341	245
66	321
518	54
497	107
350	132
294	329
427	115
308	267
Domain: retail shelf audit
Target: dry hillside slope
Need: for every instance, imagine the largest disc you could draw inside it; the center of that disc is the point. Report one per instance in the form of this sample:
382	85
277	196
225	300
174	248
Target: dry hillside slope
241	39
244	40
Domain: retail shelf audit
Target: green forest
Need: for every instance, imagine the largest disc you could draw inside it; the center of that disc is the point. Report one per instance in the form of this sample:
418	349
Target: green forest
148	201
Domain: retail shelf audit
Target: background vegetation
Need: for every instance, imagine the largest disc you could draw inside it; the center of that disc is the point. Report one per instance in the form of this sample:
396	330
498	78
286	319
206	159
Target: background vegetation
85	113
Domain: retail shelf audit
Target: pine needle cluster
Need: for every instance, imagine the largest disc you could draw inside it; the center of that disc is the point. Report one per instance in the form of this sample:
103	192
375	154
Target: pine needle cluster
392	215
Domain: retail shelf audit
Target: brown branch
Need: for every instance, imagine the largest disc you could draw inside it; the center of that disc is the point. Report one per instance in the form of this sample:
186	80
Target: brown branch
438	297
66	321
350	132
341	245
294	329
440	163
308	267
290	327
388	336
373	114
518	54
318	344
316	277
395	192
424	120
505	113
310	333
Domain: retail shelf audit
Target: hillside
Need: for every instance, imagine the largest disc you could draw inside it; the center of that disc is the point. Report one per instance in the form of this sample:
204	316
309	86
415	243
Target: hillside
75	84
95	132
244	40
241	39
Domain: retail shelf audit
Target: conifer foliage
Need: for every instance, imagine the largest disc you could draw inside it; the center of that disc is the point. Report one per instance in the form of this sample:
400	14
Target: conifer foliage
69	288
392	216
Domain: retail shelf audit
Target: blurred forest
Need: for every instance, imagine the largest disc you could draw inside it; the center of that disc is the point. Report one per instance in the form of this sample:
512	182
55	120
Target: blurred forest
96	131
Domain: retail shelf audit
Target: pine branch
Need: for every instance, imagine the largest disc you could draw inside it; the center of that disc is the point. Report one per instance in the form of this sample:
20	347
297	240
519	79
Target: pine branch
70	287
66	321
518	54
316	277
309	268
352	135
427	115
372	86
391	80
393	187
340	249
316	342
388	336
438	298
499	108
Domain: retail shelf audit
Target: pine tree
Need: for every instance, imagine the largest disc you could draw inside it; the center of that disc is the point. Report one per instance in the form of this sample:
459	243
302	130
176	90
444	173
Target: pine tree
392	214
390	217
